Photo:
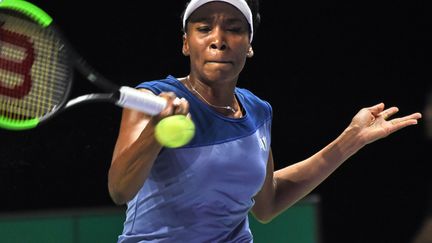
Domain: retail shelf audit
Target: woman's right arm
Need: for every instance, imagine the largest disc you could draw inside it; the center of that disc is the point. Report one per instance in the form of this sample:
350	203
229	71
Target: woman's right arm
136	149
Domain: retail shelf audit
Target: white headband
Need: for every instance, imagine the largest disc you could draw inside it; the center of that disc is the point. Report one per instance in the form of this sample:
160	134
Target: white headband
239	4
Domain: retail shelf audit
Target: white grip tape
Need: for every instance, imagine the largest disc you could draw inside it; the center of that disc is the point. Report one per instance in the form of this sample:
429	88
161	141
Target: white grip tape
141	101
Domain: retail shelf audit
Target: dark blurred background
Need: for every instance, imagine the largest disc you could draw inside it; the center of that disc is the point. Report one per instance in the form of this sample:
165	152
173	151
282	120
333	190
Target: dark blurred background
316	63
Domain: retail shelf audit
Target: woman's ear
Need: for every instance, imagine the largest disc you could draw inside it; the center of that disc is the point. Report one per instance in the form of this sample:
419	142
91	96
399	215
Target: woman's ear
250	52
185	48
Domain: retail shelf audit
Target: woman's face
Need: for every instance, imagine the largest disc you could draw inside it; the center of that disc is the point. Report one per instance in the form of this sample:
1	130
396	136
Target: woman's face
217	41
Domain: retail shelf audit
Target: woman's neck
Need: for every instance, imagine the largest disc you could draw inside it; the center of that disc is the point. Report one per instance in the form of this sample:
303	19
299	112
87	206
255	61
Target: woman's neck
223	102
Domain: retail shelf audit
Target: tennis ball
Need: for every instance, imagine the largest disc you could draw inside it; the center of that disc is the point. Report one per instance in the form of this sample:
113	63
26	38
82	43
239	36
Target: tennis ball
175	131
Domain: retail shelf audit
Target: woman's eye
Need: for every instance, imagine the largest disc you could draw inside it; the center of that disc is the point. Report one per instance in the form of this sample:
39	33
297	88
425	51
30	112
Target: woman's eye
204	29
235	29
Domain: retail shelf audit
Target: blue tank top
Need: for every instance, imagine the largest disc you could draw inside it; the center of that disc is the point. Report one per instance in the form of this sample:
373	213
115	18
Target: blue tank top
202	192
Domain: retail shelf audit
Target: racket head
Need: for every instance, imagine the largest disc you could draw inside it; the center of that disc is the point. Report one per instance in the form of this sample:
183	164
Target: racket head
36	69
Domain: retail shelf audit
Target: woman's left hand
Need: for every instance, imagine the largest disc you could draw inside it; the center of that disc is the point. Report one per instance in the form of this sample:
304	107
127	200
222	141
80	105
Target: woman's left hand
374	122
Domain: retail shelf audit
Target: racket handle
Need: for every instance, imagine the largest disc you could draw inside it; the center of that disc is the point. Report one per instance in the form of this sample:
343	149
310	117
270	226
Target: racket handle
141	101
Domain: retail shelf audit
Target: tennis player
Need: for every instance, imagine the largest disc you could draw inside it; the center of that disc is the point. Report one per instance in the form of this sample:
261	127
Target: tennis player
203	192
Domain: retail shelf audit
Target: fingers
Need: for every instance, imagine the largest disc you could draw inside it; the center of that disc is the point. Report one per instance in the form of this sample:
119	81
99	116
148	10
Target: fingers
407	120
175	105
181	106
376	109
386	114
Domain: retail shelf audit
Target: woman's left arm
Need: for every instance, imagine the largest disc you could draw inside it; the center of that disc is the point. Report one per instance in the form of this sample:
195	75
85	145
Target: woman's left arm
284	187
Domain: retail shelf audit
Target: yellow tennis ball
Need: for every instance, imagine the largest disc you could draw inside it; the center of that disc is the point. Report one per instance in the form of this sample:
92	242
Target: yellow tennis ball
175	131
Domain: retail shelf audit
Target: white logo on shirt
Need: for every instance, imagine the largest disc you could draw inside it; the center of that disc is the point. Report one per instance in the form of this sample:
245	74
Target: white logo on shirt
263	143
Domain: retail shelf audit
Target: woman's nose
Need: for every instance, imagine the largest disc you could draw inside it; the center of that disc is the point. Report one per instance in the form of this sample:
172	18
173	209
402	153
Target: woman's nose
218	41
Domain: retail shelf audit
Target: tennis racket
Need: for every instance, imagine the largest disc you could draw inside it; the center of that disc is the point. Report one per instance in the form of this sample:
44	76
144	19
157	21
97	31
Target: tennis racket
37	67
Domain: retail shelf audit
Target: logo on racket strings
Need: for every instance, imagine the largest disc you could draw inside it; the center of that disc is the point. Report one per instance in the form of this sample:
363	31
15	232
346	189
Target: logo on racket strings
12	64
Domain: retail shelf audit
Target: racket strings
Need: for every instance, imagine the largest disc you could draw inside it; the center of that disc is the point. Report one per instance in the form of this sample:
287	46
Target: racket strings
34	69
